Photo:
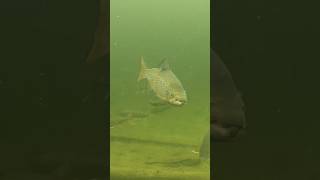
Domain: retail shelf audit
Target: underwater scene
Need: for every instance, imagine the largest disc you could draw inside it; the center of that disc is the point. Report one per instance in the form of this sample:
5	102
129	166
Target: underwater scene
55	94
159	89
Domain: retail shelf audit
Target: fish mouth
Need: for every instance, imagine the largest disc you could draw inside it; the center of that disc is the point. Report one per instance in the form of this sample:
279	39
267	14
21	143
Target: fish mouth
178	102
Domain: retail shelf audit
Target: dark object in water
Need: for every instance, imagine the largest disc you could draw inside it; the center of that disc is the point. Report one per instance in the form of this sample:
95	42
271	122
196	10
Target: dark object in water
227	113
227	116
100	46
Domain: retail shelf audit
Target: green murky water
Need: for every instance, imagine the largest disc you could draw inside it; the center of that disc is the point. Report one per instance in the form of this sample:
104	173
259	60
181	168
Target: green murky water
149	142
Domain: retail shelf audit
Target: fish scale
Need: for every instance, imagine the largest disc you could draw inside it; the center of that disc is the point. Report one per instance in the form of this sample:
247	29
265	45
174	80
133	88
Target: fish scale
159	86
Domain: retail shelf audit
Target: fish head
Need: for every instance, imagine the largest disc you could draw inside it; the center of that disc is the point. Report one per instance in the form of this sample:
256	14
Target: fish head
178	99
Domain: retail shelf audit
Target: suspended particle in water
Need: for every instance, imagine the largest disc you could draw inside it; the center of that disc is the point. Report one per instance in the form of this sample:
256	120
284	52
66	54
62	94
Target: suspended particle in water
195	152
258	18
118	19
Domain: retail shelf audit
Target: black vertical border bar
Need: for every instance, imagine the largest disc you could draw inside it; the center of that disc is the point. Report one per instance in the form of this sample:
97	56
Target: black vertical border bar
212	15
108	89
33	21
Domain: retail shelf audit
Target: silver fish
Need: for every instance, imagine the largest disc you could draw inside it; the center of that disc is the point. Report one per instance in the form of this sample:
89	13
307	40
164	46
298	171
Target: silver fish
164	83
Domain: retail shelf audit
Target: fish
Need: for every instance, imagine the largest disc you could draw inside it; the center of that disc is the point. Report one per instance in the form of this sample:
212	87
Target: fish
100	45
227	105
164	83
227	115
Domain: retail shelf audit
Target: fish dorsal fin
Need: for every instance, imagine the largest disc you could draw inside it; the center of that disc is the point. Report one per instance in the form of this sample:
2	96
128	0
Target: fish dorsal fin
164	65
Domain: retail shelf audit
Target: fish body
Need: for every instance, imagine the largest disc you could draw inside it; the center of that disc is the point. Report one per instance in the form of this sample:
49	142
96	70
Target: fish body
227	116
164	83
227	106
100	46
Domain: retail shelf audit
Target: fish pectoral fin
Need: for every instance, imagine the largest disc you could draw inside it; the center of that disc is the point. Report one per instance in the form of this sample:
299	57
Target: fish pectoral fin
157	102
164	65
158	105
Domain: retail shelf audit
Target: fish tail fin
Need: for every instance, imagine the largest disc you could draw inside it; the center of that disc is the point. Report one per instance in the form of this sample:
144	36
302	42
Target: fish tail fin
143	68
